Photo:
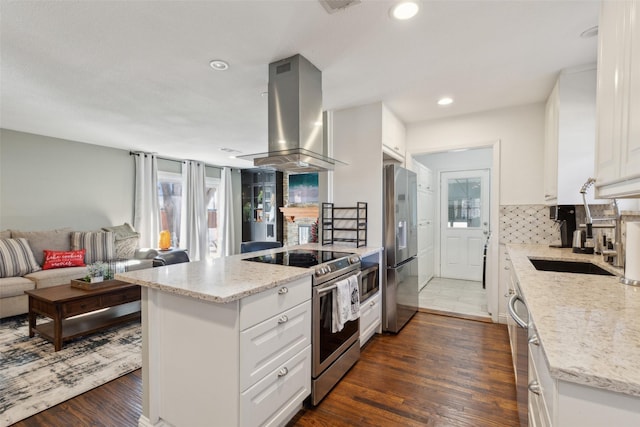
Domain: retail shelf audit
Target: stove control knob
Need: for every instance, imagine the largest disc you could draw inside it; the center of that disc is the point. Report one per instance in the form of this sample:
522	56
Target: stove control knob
319	271
354	259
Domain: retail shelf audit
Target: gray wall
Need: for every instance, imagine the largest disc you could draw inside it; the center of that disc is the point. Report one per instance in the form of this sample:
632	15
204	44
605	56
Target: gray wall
48	182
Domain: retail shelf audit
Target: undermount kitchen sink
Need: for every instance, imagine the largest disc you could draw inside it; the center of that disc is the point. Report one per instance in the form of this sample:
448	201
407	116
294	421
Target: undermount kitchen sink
568	267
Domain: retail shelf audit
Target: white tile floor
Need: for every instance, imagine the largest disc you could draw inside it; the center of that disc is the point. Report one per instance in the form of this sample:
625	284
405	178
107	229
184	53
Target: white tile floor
455	296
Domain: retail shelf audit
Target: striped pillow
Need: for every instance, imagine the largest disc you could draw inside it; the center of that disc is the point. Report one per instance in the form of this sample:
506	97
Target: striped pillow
98	245
16	258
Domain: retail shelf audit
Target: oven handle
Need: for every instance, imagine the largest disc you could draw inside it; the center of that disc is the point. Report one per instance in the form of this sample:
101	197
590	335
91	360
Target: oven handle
327	289
335	285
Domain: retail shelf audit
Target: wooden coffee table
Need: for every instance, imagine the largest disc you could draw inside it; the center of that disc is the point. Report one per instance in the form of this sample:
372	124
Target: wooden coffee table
101	309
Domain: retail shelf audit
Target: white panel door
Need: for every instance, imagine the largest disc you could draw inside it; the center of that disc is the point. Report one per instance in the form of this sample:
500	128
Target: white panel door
464	223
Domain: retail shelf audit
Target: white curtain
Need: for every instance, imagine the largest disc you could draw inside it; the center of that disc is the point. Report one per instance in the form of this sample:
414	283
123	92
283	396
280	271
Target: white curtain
226	228
194	233
146	219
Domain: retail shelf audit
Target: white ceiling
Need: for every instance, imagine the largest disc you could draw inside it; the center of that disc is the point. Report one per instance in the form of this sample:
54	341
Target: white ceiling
135	74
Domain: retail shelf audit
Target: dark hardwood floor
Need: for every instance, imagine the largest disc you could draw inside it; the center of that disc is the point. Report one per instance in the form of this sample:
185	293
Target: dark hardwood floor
438	371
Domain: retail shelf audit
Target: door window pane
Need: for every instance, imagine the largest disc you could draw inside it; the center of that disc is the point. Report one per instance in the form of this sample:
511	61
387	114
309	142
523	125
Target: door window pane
464	202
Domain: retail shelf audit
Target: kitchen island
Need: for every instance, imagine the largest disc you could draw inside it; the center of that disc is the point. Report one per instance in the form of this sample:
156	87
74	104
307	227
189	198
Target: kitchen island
586	357
226	341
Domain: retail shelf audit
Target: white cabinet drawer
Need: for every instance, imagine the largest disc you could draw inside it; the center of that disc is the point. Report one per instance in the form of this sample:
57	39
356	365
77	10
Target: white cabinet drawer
278	395
370	315
261	306
267	345
538	362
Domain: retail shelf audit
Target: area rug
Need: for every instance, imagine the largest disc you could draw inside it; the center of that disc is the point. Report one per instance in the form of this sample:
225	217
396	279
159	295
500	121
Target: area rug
33	377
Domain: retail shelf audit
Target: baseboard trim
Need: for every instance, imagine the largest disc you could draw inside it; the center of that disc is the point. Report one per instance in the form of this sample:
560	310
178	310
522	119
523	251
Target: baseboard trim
484	319
145	422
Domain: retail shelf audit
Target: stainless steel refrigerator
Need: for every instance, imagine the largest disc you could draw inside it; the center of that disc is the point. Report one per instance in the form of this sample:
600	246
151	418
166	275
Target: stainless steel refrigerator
400	290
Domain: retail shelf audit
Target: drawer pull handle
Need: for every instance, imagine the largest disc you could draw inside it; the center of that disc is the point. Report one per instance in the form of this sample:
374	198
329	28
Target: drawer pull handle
534	387
283	290
534	340
283	319
508	259
506	267
508	294
282	372
372	303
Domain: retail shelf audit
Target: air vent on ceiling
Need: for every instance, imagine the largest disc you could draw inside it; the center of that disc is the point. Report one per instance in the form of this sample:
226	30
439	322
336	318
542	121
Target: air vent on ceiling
333	6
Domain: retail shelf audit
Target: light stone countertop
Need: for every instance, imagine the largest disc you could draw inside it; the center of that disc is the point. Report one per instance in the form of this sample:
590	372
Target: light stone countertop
588	325
227	279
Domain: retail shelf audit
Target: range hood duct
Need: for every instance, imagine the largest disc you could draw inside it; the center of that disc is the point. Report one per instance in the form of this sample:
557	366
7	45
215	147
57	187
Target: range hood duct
296	142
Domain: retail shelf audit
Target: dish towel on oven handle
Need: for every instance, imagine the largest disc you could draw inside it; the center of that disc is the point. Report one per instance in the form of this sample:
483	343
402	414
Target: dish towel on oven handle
346	302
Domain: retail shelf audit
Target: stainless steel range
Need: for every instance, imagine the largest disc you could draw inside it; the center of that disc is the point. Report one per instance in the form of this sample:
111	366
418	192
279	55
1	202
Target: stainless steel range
333	353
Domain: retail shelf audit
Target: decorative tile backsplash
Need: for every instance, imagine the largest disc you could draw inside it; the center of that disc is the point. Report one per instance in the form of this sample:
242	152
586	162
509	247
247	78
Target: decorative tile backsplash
527	224
531	223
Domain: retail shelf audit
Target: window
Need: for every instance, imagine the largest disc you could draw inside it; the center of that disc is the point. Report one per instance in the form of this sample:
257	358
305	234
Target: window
170	204
212	200
464	203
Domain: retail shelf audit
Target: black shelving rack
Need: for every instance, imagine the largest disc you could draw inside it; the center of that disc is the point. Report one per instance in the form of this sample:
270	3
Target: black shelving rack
344	224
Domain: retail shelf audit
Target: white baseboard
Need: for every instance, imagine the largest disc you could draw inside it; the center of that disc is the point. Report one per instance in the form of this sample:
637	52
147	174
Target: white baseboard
145	422
502	318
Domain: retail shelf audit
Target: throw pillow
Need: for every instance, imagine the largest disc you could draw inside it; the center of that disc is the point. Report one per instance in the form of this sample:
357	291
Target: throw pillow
5	234
53	240
16	258
98	245
126	248
126	240
123	231
63	259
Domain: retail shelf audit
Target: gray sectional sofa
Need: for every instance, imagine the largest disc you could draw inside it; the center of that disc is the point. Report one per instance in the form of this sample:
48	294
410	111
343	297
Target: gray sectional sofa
109	244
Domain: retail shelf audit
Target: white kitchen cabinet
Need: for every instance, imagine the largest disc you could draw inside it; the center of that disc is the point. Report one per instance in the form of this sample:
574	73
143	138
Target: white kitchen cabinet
560	403
551	146
393	135
506	288
426	211
508	277
270	343
570	129
242	363
370	317
272	400
618	129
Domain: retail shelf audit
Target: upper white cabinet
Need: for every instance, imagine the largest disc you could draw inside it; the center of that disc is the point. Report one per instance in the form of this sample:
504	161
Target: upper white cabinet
570	129
393	135
618	126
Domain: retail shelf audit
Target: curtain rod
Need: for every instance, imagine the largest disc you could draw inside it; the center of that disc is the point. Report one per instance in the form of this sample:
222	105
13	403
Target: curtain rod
173	159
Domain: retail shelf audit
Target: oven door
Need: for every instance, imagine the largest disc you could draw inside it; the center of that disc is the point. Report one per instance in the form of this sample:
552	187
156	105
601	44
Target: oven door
328	346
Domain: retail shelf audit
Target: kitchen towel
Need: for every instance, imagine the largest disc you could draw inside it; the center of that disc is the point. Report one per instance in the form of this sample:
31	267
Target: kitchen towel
632	252
346	302
341	309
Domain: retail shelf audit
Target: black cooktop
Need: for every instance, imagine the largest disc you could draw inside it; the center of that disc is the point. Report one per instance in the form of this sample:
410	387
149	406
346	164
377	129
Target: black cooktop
300	257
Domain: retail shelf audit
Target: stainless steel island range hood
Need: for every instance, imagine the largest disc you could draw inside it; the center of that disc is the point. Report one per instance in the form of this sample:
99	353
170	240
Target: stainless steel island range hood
296	141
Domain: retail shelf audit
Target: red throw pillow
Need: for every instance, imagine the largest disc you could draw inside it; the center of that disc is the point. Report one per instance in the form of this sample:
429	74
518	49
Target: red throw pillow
62	259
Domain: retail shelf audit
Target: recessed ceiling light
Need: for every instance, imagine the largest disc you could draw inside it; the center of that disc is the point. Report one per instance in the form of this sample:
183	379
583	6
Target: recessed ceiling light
219	65
589	32
445	101
404	10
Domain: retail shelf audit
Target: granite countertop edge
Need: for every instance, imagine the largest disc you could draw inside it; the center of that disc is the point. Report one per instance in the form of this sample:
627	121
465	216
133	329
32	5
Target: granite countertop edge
227	279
